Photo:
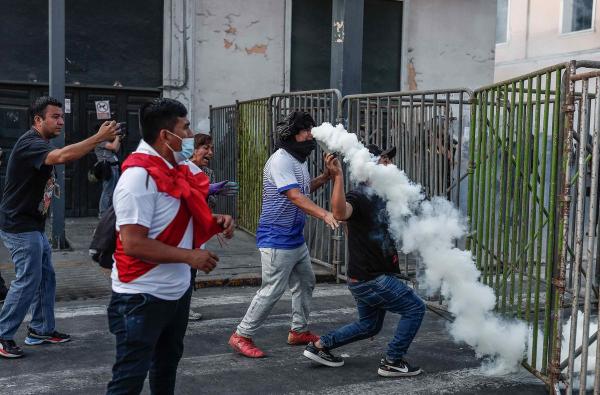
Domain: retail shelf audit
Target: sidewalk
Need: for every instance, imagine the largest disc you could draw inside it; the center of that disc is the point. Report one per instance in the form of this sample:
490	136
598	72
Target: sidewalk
78	277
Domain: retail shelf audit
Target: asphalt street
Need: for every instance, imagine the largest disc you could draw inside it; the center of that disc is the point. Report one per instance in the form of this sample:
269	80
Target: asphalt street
208	366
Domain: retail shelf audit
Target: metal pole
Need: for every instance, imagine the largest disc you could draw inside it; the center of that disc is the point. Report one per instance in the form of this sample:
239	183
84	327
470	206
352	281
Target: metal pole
56	23
346	45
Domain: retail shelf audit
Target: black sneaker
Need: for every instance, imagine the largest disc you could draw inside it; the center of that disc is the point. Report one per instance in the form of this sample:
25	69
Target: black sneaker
9	349
34	338
400	368
322	356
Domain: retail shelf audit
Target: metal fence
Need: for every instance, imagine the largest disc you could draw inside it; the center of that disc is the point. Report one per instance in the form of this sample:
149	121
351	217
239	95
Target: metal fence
427	129
253	124
323	106
222	126
512	204
519	157
581	247
533	196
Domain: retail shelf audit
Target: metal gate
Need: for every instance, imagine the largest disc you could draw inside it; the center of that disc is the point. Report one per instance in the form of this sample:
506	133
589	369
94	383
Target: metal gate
427	129
222	126
246	129
253	124
520	157
580	249
323	106
533	207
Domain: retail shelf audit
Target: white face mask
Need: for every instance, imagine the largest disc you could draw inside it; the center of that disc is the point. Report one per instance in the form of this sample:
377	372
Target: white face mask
187	148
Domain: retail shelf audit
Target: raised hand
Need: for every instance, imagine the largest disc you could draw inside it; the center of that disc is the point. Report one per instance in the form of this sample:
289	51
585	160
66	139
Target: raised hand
108	131
224	188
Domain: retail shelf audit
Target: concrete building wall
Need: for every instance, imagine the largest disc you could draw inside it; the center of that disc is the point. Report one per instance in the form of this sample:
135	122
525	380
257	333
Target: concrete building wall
535	39
240	49
235	50
449	43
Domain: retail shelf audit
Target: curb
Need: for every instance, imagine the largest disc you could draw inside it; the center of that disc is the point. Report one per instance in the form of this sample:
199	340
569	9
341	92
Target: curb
248	281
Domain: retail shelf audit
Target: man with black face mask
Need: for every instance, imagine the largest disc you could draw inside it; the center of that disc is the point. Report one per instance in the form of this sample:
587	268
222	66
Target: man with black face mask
284	254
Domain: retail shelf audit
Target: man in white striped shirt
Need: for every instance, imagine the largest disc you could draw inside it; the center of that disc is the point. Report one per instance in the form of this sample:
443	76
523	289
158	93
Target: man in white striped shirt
280	235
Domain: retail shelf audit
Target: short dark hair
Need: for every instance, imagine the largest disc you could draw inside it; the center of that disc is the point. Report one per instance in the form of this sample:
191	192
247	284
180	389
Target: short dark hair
160	113
39	106
294	123
202	139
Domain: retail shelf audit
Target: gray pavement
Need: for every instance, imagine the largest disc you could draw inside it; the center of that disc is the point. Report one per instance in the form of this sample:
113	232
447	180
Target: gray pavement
208	366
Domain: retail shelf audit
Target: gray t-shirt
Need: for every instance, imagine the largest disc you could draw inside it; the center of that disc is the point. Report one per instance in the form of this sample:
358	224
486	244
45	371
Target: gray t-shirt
102	153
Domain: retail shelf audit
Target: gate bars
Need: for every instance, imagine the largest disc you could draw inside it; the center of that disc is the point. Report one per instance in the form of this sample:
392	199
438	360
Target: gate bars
253	124
532	203
426	127
529	147
323	106
581	248
225	139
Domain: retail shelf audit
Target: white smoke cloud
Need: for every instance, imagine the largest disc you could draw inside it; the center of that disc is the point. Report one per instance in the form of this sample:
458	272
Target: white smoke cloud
430	228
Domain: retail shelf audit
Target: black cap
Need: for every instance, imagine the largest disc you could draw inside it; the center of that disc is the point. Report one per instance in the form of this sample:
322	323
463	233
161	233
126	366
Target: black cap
376	151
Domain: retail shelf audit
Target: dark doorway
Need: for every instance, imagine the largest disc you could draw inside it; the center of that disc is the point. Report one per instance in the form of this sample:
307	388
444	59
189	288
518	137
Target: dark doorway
382	39
311	45
81	196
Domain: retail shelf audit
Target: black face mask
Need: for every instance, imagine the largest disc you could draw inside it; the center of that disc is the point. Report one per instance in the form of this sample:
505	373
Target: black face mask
299	150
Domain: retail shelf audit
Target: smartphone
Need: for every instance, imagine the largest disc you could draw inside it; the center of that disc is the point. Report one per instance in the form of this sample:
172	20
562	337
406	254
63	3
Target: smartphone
122	128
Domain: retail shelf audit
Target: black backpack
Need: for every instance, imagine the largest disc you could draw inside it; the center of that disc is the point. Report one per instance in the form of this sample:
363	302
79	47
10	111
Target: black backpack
104	239
102	170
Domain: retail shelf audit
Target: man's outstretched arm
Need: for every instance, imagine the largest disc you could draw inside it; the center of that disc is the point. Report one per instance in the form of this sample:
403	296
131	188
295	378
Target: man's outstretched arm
310	208
75	151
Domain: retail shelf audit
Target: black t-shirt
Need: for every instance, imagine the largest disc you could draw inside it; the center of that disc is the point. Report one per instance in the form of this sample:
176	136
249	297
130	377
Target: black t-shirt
29	185
371	248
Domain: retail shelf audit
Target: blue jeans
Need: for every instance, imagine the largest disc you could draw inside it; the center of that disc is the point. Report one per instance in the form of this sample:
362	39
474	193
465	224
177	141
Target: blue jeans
373	299
149	336
34	285
108	187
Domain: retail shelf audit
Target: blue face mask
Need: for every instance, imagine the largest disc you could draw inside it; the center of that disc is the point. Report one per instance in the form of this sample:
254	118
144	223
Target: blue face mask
187	148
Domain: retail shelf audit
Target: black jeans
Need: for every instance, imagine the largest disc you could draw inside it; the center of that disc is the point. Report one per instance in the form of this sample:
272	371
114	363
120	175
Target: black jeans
149	335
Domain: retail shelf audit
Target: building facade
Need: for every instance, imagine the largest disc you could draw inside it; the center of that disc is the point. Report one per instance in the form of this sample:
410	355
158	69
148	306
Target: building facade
532	34
216	52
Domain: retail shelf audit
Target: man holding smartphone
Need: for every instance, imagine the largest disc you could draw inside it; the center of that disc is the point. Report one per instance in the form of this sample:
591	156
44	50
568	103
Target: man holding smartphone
28	190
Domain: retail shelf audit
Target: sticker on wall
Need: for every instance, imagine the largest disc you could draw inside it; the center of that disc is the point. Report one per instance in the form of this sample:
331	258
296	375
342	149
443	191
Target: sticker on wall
102	109
67	106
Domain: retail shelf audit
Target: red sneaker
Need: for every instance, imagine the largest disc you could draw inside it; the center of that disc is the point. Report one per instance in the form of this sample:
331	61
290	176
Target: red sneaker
301	338
245	346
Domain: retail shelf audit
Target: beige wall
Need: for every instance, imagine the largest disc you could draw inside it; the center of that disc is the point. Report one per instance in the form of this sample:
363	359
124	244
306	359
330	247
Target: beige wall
443	50
535	41
235	51
240	49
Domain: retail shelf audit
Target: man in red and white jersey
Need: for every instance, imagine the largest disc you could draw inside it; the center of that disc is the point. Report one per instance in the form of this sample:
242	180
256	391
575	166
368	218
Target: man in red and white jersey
162	218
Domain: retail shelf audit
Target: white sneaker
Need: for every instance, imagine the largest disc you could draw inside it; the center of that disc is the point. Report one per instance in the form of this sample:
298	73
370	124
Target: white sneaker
193	316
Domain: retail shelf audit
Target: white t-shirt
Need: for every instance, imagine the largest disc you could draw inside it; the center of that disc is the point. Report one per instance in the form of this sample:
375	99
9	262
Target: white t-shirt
136	203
